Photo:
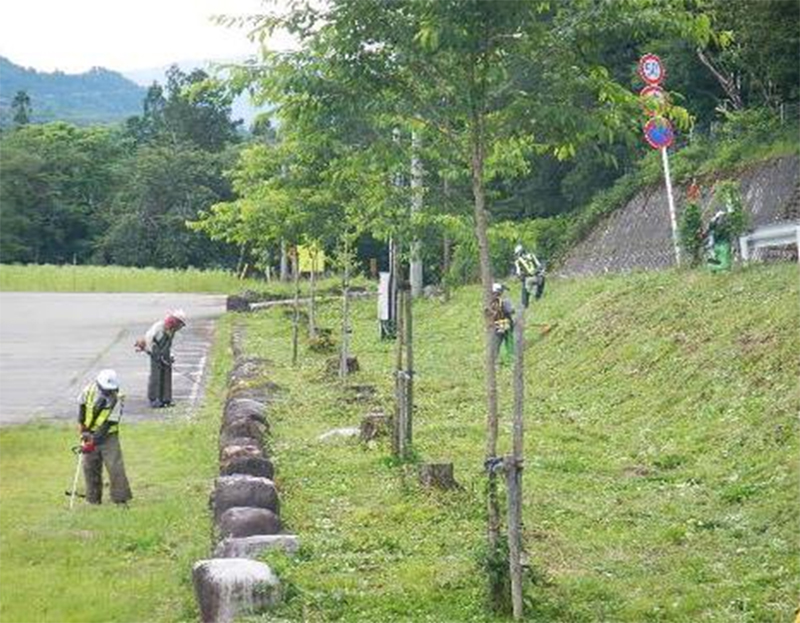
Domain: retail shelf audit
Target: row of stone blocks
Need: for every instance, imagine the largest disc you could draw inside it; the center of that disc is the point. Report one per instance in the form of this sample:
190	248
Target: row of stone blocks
246	512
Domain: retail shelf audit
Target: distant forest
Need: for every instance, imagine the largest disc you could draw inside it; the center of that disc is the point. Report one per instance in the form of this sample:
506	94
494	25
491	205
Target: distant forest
122	189
97	96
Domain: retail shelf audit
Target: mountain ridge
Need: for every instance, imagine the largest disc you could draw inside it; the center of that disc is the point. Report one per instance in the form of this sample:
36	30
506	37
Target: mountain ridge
97	96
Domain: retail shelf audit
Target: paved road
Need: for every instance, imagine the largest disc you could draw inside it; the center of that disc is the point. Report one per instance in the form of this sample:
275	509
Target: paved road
52	344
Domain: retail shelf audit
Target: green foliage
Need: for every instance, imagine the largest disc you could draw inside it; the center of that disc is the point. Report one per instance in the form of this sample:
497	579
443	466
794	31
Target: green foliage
21	108
190	108
728	197
54	178
164	186
98	194
690	231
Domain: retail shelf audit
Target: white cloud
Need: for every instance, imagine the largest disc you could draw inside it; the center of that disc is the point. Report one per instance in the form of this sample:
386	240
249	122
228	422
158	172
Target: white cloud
75	35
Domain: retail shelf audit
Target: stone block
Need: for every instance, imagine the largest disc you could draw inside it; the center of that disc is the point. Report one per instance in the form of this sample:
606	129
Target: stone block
240	447
237	408
227	588
251	465
244	490
241	521
254	546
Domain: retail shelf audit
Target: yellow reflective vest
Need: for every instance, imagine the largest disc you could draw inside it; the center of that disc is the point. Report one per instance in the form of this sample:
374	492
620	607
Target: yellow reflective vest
94	421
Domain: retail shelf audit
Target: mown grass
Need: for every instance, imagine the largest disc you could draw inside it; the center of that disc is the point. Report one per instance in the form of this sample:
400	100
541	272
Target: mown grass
661	479
106	564
69	278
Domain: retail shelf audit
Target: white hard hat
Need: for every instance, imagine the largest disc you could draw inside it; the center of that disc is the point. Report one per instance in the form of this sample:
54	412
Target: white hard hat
179	315
107	380
518	249
497	288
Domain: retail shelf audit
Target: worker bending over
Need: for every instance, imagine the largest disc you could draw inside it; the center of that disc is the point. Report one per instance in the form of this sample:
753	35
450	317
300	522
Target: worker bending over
157	343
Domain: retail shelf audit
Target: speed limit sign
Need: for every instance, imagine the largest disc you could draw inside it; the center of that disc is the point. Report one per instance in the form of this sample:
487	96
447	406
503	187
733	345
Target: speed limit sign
651	69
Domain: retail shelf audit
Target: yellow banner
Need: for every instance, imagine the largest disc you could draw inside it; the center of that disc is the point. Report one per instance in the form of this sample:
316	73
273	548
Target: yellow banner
311	258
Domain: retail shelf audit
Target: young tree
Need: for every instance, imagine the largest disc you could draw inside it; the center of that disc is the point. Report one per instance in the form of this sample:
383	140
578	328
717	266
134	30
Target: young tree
21	109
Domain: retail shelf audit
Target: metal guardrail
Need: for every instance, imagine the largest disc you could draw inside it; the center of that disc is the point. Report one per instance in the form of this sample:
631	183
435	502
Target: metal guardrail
774	235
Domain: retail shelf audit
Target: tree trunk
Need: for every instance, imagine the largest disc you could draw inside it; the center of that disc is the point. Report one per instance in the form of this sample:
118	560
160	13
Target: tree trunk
284	269
240	261
312	324
728	83
345	354
296	317
446	247
514	468
399	384
409	397
477	145
417	173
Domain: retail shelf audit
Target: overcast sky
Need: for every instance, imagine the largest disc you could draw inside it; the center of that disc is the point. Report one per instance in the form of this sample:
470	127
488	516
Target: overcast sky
75	35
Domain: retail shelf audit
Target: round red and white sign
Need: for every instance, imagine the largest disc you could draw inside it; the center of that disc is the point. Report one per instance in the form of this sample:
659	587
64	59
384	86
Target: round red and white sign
651	69
654	100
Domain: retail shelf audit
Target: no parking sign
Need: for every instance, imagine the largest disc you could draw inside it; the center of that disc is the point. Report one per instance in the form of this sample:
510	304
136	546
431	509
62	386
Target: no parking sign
658	133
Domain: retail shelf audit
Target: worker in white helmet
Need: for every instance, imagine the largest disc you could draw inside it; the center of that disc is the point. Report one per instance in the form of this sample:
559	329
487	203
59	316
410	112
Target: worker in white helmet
99	413
502	316
157	343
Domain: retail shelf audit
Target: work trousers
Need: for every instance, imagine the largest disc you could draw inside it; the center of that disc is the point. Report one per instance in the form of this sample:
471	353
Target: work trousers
503	345
108	452
159	385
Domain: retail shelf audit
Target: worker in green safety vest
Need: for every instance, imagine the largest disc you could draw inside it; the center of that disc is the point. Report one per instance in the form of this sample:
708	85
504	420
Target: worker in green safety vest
99	413
530	272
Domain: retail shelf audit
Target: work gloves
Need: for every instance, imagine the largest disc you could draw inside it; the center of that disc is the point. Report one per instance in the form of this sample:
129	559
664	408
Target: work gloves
87	442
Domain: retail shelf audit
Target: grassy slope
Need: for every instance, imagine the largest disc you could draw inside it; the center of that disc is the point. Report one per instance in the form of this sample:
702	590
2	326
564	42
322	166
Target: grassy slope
103	564
662	458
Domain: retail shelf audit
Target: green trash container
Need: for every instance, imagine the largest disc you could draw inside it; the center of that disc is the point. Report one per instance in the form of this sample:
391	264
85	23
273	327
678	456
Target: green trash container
721	257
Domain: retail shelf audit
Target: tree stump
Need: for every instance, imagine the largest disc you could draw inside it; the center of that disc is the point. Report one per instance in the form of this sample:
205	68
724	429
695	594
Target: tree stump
374	425
439	475
237	304
332	365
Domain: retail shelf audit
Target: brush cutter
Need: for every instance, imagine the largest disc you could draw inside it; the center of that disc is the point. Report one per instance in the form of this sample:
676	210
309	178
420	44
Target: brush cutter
78	450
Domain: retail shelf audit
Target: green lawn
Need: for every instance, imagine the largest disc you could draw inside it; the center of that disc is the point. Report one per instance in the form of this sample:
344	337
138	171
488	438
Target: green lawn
661	454
68	278
104	564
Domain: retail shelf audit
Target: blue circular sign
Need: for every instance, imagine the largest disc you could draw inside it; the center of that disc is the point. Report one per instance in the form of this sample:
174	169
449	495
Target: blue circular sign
658	133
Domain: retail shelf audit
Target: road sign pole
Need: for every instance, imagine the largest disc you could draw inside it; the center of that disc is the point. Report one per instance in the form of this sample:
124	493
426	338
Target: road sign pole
671	202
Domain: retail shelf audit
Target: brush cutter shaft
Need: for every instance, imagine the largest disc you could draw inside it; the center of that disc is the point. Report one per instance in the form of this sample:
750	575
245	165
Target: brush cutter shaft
75	480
